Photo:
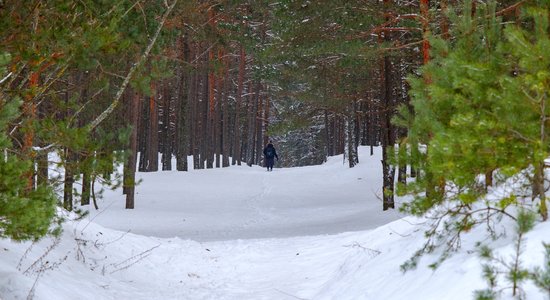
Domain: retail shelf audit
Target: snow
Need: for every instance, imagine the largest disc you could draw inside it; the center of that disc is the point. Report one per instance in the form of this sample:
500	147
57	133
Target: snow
243	233
244	202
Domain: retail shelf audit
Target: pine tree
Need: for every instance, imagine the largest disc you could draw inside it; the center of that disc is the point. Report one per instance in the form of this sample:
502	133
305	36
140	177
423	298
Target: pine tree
484	107
541	275
483	112
25	212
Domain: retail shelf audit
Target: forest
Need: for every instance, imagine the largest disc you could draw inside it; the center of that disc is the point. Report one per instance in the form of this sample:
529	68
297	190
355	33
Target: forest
455	93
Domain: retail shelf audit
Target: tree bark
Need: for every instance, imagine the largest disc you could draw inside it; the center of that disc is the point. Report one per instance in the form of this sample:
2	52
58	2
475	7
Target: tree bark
129	184
167	128
225	145
153	141
182	116
69	180
388	171
252	113
237	153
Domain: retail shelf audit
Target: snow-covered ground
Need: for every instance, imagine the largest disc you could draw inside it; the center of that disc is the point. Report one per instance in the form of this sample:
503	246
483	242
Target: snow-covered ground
244	202
244	233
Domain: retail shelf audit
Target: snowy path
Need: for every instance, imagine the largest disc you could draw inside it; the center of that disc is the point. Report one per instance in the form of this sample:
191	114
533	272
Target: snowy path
243	202
209	216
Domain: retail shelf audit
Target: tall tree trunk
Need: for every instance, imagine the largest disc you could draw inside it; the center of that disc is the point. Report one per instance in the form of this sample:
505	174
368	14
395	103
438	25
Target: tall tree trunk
267	107
29	107
538	180
69	163
217	132
42	166
444	19
210	125
225	143
237	155
69	180
252	116
424	12
205	120
388	170
259	131
182	116
327	135
129	184
153	142
143	136
166	128
351	146
86	185
194	117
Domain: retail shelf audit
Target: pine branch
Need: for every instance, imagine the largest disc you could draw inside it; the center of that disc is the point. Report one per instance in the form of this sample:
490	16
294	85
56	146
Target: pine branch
510	8
126	81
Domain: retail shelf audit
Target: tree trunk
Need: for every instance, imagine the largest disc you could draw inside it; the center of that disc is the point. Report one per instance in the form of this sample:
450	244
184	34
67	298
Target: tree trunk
388	171
237	155
225	145
194	118
42	165
205	122
259	131
351	146
182	116
144	134
86	185
129	184
69	180
424	12
327	135
166	128
153	141
252	113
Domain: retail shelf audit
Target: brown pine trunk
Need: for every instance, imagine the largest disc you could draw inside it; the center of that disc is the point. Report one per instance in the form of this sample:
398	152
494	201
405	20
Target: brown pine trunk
166	128
182	115
488	179
129	184
252	113
143	133
225	145
86	185
237	152
211	119
194	118
69	180
424	12
388	170
153	142
42	165
218	135
29	113
259	131
205	121
326	134
69	165
444	20
265	124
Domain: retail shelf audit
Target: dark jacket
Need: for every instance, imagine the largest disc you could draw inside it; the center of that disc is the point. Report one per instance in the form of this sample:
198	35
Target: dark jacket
270	146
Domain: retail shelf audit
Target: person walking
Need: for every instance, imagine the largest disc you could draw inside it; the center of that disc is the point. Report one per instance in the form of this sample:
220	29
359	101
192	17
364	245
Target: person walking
270	154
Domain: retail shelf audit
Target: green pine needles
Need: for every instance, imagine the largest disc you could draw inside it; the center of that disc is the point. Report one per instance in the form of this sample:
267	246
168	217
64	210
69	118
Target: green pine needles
481	117
24	214
504	274
541	275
